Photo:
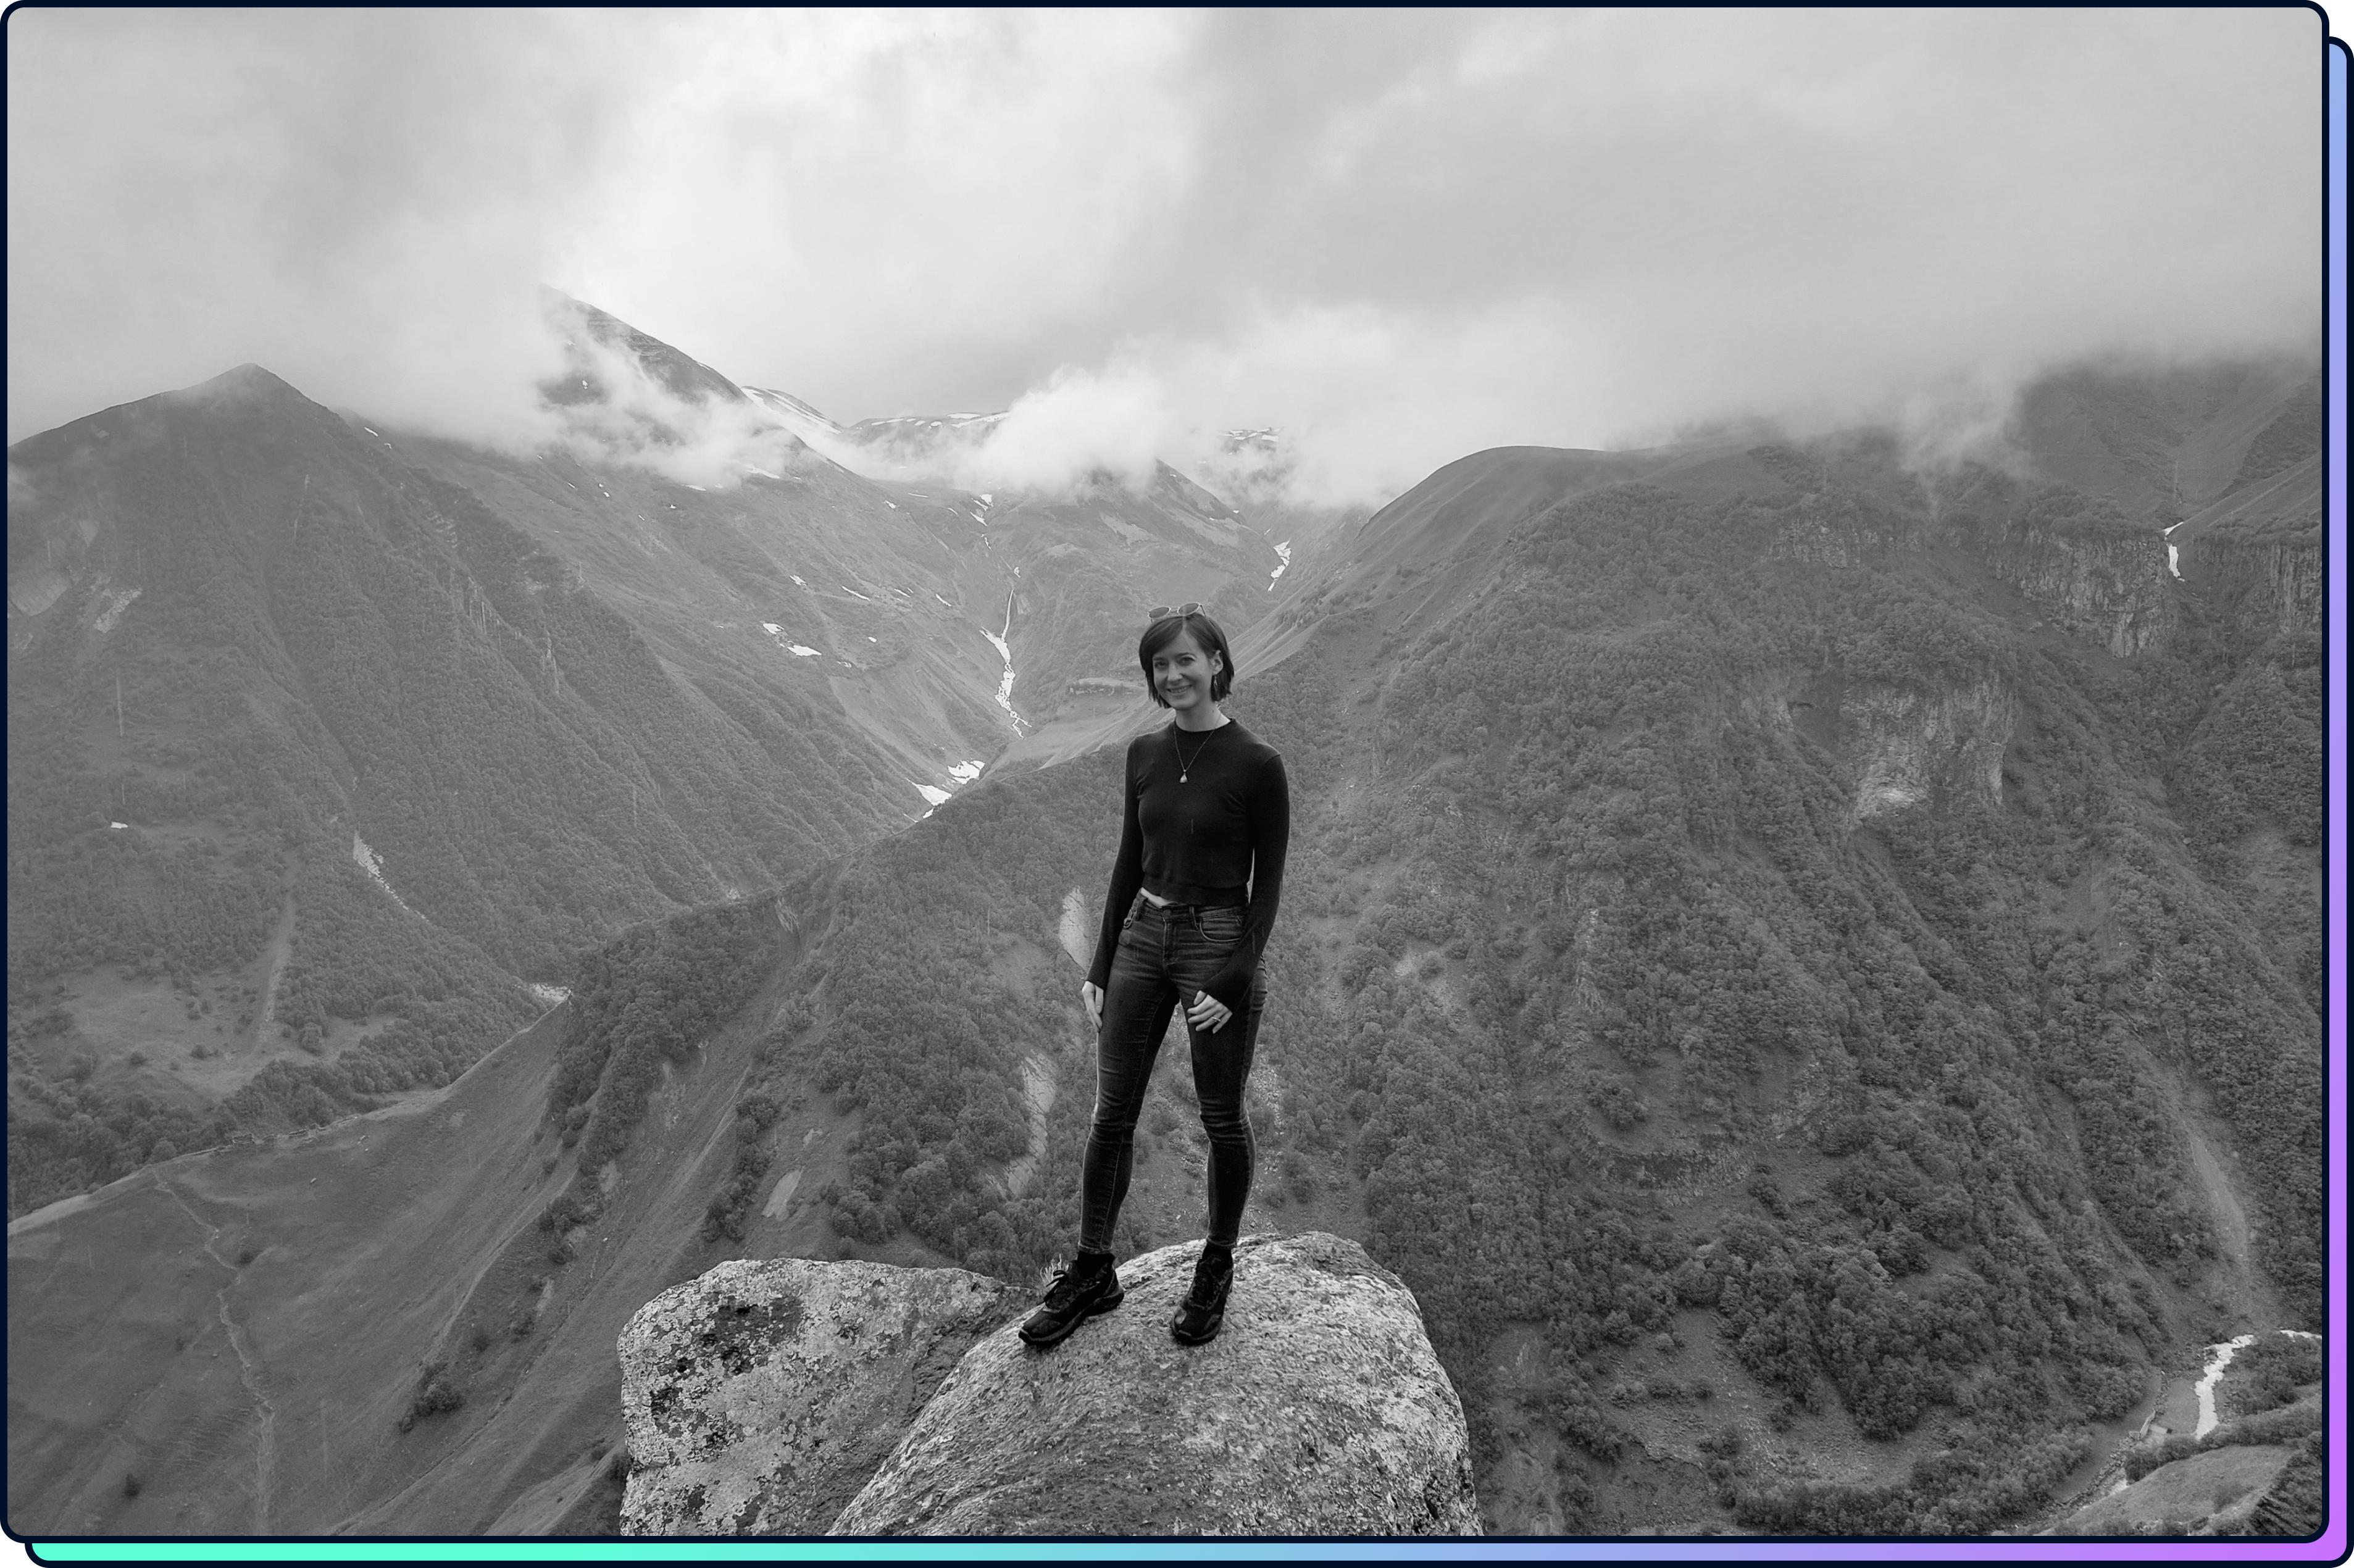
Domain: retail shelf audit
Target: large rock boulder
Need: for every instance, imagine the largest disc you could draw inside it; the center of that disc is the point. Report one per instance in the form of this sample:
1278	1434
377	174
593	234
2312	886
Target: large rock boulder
760	1397
1319	1410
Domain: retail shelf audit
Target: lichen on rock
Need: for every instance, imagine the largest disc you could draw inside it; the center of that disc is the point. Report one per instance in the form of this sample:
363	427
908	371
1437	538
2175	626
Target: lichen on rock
761	1396
1321	1409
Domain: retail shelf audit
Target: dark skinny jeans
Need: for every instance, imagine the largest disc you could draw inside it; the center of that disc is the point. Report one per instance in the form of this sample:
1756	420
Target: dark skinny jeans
1163	959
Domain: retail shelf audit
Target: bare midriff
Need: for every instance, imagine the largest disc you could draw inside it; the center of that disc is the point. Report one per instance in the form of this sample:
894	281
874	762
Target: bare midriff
1158	902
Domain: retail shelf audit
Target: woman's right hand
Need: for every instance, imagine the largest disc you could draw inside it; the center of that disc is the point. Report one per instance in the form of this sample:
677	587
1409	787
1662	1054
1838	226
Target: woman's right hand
1092	994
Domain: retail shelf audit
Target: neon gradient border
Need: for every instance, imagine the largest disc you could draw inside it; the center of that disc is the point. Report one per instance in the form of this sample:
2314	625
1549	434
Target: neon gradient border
2331	1546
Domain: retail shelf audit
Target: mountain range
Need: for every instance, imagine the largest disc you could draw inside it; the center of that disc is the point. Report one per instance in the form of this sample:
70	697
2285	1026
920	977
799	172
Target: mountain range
1808	964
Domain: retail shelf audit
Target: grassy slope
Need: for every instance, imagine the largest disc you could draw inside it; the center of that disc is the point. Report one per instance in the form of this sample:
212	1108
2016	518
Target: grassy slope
2184	1496
266	1391
379	1244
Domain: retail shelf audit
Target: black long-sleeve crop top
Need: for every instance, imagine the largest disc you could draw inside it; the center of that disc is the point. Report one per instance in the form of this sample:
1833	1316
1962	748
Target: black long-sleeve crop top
1200	841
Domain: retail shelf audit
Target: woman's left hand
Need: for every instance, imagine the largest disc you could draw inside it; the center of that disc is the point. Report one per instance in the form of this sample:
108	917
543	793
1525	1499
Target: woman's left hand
1208	1012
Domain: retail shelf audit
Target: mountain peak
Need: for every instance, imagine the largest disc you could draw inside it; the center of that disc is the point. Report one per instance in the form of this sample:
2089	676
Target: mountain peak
249	388
247	385
247	377
583	325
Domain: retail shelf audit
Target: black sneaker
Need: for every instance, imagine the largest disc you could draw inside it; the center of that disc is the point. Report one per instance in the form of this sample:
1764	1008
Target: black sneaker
1204	1310
1077	1294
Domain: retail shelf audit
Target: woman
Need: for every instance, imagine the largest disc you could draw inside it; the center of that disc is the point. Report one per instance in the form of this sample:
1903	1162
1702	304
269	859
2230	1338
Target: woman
1206	818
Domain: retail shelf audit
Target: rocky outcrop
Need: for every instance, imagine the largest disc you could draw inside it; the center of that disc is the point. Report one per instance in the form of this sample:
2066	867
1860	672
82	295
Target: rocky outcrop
2113	590
1905	748
761	1396
1319	1410
2100	574
2266	582
788	1396
1841	528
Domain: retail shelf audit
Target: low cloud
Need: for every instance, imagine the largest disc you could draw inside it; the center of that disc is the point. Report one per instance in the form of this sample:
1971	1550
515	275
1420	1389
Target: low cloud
362	202
627	416
1396	237
1116	422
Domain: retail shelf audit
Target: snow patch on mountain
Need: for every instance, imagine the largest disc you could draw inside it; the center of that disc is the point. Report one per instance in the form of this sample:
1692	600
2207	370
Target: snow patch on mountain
1283	553
1005	652
773	630
1005	687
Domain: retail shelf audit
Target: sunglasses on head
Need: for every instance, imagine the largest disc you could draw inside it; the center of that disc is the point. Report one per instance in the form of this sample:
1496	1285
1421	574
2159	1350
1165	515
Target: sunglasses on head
1162	611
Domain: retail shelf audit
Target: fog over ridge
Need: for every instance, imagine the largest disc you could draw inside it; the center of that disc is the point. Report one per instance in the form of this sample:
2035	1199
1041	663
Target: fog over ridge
1394	237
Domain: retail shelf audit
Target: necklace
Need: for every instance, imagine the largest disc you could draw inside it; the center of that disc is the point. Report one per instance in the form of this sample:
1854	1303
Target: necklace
1183	766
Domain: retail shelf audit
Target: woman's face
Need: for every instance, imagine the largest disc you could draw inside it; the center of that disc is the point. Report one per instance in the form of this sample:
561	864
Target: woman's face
1181	673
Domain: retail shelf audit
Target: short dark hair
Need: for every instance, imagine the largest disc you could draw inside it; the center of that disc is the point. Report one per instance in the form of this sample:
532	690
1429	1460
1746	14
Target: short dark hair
1207	632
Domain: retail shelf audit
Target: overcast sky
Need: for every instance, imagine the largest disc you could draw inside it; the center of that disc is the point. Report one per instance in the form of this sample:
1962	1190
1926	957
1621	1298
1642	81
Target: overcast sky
1398	235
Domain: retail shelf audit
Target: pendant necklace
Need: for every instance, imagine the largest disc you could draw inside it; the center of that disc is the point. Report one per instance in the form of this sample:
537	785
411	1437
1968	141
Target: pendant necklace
1183	766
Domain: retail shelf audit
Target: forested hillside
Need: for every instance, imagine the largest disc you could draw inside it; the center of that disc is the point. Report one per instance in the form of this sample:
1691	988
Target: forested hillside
1781	918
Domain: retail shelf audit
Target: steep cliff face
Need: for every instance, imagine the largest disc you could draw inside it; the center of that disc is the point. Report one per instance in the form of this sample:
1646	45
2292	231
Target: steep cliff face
2100	574
1903	747
1898	743
2267	581
2108	587
2096	572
